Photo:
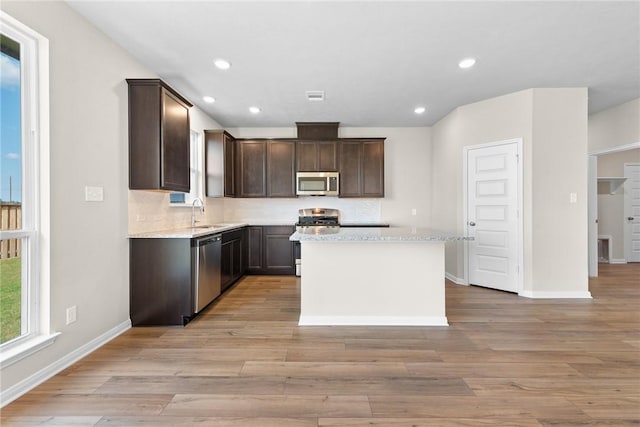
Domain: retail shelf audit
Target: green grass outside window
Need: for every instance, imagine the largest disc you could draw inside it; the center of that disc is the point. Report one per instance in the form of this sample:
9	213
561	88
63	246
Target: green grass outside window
10	300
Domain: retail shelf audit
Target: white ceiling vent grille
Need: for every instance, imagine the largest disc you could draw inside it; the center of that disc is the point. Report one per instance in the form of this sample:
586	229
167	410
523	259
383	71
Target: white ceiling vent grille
315	95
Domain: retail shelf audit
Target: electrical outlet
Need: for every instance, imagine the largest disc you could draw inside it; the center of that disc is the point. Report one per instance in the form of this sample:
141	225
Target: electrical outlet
414	211
71	314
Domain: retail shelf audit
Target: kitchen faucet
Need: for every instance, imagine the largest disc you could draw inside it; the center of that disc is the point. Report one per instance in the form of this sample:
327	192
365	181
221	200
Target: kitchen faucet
193	210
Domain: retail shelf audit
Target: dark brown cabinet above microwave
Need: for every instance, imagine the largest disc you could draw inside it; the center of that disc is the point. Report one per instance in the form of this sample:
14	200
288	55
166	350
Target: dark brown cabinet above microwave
317	156
158	137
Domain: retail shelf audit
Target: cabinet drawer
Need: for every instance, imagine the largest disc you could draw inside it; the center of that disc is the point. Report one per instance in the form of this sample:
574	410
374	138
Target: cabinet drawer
228	236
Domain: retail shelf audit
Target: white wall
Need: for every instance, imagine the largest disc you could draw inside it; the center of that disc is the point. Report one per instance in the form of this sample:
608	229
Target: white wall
407	183
553	126
615	126
88	144
559	234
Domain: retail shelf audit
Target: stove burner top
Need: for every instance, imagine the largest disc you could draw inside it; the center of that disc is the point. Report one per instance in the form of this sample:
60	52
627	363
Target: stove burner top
318	217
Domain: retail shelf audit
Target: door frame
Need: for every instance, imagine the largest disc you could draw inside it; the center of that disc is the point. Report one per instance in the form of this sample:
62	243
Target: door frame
520	204
592	192
626	210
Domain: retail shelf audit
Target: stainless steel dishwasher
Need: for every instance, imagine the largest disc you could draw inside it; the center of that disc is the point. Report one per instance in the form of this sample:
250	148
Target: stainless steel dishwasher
206	255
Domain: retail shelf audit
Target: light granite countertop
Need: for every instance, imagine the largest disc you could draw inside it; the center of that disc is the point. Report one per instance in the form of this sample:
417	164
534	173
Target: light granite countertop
188	232
390	234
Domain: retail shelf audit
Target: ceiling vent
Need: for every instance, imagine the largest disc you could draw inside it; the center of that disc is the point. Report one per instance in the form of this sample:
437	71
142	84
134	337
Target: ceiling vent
315	95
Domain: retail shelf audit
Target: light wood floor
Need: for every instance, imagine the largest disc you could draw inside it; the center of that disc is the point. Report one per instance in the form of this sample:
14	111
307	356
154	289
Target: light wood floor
503	361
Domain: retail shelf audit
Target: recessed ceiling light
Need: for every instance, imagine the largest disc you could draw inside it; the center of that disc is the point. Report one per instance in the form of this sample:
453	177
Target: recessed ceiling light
222	64
419	110
254	110
209	99
467	63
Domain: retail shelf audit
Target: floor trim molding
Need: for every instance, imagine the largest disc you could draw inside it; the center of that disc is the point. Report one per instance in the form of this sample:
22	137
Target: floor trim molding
454	279
373	321
556	295
12	393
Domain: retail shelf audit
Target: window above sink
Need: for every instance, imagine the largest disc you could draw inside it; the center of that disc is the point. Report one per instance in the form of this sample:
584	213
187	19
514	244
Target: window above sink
185	200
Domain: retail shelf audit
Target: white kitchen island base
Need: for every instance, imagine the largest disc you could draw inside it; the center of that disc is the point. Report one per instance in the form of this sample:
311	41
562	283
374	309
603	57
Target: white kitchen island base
373	283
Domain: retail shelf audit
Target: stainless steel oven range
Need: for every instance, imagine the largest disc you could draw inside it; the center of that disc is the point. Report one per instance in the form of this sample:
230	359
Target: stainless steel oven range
315	220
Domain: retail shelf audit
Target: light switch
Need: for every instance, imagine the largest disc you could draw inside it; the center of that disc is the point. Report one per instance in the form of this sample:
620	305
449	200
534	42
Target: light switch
573	197
93	194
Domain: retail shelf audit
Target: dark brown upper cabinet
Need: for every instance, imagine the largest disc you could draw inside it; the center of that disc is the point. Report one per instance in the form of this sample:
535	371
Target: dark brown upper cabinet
219	163
281	164
265	168
158	137
317	156
230	173
361	167
251	173
316	131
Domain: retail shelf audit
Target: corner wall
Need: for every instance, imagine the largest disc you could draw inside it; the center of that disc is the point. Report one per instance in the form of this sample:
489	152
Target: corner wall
496	119
553	126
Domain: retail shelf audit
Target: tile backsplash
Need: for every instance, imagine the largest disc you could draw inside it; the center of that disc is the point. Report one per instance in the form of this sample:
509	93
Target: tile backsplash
150	211
285	211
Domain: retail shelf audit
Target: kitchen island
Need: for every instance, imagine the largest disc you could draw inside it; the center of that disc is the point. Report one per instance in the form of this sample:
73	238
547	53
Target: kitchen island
373	276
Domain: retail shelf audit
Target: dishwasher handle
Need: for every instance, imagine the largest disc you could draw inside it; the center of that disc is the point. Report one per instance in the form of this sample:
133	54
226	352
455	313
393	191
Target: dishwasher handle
207	240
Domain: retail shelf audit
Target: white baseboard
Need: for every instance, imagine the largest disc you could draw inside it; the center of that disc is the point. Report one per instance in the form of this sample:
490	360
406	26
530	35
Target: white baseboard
618	261
373	321
555	295
12	393
454	279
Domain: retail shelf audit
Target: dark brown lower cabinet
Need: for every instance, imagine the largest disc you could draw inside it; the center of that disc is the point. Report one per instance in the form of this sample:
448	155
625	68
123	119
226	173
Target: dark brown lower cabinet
269	250
233	257
160	272
160	281
160	277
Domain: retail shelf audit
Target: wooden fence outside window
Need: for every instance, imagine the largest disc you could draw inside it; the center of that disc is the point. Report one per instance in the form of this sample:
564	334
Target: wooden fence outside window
10	219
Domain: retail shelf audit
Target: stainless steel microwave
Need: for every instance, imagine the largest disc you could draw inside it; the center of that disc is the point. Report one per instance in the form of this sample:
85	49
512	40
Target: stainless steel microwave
317	183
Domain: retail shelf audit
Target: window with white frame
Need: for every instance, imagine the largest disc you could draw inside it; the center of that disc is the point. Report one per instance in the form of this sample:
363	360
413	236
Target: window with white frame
23	80
196	170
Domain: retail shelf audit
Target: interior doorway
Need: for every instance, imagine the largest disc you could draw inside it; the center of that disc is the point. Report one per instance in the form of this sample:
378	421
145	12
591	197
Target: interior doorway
607	196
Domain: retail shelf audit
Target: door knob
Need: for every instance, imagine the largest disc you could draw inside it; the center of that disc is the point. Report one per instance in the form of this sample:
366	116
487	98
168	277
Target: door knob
631	218
472	224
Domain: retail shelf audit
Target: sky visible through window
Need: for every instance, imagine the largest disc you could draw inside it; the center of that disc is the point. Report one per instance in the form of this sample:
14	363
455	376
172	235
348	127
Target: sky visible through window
10	130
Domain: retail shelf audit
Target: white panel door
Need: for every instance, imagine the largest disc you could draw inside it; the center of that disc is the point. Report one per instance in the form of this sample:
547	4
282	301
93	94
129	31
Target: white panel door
492	206
632	212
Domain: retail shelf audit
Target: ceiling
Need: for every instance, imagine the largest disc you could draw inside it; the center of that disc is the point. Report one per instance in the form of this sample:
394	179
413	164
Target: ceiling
375	60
